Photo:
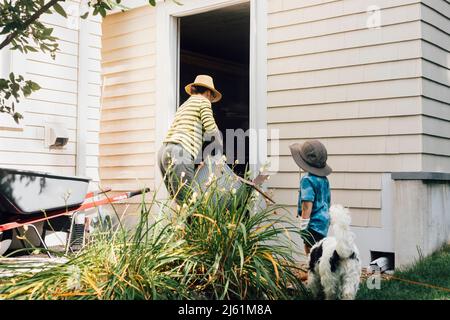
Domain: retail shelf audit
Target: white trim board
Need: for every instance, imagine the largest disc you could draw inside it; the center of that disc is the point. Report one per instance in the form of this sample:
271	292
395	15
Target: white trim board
82	96
166	68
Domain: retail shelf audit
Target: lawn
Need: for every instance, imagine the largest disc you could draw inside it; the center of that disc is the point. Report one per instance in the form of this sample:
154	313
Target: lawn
433	271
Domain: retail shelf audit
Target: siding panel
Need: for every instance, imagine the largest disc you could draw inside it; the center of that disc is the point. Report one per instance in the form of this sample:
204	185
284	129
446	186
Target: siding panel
362	145
436	109
350	128
349	57
353	39
342	93
436	85
348	110
347	181
360	163
294	11
357	89
340	24
127	150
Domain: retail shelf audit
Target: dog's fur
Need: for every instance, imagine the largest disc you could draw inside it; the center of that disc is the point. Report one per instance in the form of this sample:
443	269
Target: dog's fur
334	263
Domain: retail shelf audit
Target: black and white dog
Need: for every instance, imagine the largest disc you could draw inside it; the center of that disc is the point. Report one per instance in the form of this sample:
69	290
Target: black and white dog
334	263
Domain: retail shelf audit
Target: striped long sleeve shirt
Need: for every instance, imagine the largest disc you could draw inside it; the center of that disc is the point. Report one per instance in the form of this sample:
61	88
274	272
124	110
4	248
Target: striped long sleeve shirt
192	120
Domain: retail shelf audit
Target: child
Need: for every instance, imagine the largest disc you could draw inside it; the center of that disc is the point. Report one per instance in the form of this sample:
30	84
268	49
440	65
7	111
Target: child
314	196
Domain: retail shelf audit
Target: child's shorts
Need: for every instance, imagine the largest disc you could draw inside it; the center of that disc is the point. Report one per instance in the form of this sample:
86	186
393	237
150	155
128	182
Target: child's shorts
310	237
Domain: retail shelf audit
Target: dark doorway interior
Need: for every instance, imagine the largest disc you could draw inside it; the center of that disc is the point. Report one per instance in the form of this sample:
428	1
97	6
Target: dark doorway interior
217	43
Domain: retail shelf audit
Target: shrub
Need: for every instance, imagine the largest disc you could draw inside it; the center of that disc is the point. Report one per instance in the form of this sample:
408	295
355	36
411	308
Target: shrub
218	244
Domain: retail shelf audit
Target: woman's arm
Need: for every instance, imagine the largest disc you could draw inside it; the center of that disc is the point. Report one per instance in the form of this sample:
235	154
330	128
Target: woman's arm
210	127
207	118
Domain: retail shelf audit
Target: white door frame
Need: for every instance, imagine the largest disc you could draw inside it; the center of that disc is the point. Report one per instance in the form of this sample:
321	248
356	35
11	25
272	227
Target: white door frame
167	13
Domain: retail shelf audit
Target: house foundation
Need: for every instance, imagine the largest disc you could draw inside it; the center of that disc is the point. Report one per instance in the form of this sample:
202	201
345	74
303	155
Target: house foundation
421	209
415	218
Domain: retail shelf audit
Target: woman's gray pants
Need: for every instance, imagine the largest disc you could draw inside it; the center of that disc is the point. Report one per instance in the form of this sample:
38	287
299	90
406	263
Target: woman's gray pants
177	166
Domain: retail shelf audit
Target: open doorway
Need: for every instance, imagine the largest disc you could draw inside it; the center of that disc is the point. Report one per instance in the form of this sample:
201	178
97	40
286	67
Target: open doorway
217	43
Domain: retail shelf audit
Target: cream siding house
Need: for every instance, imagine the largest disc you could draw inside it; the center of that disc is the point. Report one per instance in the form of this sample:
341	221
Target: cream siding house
370	79
127	138
70	97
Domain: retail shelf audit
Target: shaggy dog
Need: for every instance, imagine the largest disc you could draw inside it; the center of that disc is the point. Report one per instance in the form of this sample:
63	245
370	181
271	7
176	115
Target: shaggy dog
334	264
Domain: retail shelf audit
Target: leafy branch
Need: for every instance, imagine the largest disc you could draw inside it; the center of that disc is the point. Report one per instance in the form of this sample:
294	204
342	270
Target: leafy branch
11	89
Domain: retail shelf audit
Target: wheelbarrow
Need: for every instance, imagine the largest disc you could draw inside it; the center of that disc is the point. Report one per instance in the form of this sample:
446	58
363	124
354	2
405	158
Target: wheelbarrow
28	197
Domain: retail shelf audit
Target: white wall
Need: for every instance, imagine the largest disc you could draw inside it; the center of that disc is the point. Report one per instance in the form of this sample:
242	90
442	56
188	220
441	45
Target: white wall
357	89
58	101
422	223
127	147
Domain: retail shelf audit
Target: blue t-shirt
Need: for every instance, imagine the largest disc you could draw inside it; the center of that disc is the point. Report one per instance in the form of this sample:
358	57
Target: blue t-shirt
316	190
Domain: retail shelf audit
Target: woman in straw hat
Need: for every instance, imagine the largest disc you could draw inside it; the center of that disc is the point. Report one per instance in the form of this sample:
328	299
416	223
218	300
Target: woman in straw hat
193	124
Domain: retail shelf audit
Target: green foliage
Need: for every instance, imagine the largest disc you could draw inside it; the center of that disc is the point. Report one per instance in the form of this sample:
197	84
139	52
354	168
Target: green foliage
22	30
201	249
60	10
11	90
244	250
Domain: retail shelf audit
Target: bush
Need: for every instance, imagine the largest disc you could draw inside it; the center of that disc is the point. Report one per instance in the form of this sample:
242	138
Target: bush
202	249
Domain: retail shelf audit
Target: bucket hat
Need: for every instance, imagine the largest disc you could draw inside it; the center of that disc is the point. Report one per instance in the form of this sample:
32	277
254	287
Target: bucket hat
312	157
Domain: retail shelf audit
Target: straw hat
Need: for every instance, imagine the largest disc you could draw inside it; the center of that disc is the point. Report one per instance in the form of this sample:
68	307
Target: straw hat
207	82
312	157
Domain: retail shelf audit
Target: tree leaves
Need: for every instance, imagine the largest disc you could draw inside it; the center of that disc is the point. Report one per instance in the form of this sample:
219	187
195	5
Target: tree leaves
17	116
12	90
59	9
34	86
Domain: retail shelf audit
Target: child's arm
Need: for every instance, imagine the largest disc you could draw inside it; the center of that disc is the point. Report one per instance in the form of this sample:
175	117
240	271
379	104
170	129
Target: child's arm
306	209
305	202
306	214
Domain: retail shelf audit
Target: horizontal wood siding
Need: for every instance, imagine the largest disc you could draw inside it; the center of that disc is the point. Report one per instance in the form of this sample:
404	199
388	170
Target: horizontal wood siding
436	85
127	131
357	89
56	102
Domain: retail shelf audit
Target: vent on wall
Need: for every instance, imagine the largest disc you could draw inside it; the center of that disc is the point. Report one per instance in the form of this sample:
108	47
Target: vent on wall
56	135
383	261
